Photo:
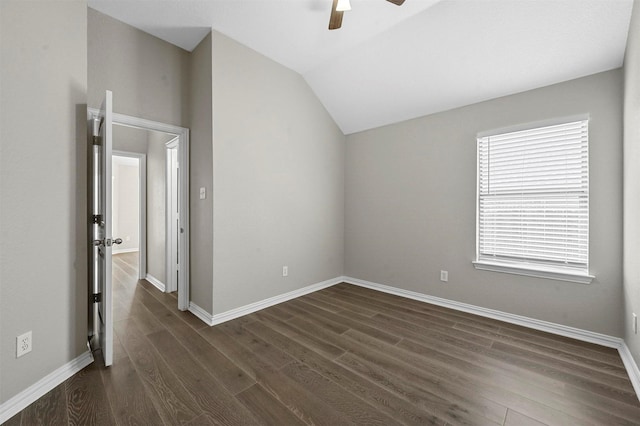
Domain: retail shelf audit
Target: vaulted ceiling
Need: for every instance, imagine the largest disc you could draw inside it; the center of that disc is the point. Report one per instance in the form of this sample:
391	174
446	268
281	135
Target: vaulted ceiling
389	63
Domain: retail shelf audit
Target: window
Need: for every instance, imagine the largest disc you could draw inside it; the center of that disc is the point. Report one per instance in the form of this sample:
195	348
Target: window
533	202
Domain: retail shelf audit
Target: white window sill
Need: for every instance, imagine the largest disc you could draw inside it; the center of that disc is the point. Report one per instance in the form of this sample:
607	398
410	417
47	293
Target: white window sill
542	272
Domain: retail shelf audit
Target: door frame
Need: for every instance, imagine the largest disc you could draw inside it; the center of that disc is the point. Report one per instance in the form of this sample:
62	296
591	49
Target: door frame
182	133
142	209
171	200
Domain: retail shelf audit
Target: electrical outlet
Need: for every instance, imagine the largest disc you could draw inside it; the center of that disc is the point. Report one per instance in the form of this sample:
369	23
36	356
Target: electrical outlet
23	344
444	276
635	323
285	271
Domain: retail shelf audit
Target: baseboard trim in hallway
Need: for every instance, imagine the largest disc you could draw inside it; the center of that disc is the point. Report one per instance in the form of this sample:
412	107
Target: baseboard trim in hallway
28	396
156	282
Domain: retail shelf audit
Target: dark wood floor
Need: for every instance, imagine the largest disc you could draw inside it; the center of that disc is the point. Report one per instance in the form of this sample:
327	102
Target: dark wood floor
343	355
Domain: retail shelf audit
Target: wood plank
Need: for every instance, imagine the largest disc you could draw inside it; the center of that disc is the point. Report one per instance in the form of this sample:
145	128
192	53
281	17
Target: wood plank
208	393
308	339
118	350
495	393
607	365
348	323
352	291
467	360
344	304
500	368
277	310
121	263
151	303
266	408
540	402
430	386
401	324
50	409
390	301
87	399
426	397
129	401
347	404
516	419
385	401
173	402
296	398
232	377
565	376
298	311
319	303
269	353
425	314
14	421
146	321
592	375
589	402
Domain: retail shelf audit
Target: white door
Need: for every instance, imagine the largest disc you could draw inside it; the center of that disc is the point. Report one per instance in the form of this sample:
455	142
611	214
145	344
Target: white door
103	239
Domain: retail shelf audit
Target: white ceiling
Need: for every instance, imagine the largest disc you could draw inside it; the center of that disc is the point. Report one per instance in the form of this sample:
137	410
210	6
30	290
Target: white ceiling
388	63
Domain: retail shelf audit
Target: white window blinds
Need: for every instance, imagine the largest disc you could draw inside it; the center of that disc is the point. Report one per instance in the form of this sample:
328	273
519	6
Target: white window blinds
533	198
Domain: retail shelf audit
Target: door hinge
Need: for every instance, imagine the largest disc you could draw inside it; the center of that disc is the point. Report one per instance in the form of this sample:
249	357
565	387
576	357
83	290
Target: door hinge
97	140
96	297
96	218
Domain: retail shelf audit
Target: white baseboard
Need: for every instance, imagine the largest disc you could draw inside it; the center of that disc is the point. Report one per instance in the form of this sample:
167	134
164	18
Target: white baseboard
156	282
549	327
205	316
120	251
28	396
632	368
257	306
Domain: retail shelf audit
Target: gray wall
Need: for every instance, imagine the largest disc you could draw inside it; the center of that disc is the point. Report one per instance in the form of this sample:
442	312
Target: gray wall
130	139
410	209
148	76
156	205
632	181
201	176
278	164
43	205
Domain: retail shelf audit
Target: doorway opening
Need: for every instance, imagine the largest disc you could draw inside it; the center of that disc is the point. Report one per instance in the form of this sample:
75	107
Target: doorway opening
166	154
129	205
146	204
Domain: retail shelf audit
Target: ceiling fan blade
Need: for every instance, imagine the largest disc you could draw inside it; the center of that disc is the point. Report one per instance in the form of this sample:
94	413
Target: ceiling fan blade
335	21
396	2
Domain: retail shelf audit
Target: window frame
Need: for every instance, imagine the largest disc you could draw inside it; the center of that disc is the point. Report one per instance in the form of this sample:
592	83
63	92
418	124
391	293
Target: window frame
532	269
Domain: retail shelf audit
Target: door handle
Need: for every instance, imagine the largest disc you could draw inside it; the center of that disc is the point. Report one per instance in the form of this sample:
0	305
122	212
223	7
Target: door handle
109	242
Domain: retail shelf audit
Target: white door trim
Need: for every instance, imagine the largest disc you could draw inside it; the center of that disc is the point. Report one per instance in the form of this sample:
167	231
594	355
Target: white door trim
142	211
171	199
183	158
